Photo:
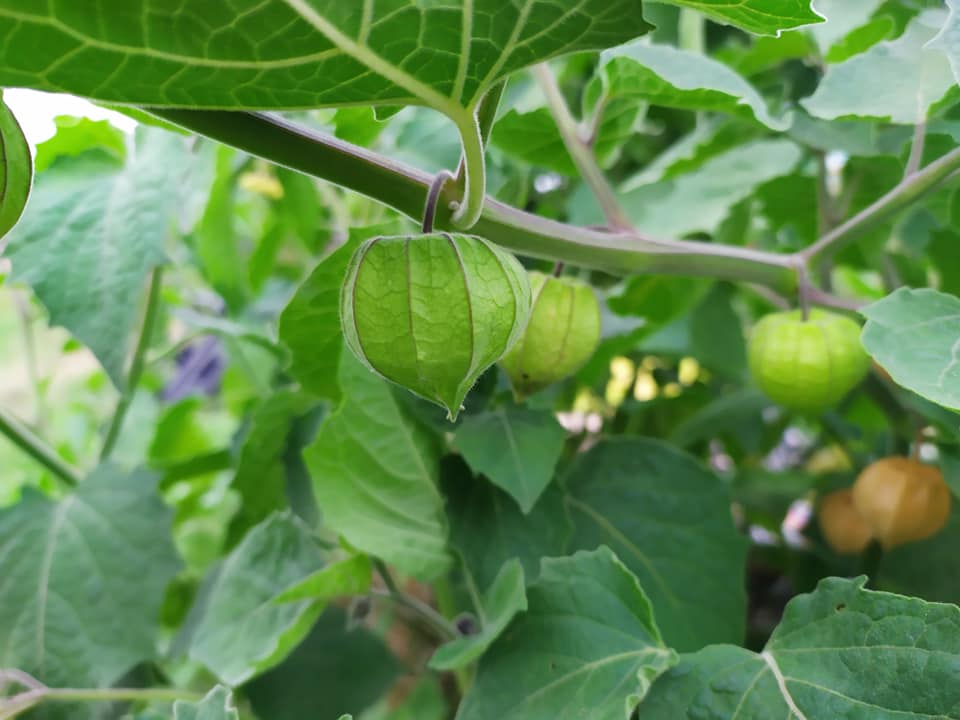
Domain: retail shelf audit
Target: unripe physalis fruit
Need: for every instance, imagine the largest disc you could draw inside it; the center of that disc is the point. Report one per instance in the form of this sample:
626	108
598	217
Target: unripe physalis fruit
807	366
902	500
563	332
432	312
842	526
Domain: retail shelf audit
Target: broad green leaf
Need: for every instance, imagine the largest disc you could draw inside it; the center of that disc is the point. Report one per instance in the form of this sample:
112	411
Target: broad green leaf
77	135
840	651
310	324
16	170
533	136
335	670
217	242
374	475
861	39
488	528
243	631
299	53
351	576
82	581
217	705
915	336
765	53
658	299
716	335
516	448
763	17
842	18
948	39
664	208
261	480
500	604
91	235
587	647
657	508
898	80
671	77
686	154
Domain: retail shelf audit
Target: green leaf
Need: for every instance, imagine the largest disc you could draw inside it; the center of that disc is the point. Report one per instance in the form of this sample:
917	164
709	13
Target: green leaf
91	235
716	335
763	17
861	86
261	478
488	528
842	18
657	508
299	54
840	651
516	448
587	646
335	670
533	136
671	77
77	135
926	322
720	183
216	240
243	631
948	39
310	324
499	605
351	576
16	170
82	580
374	475
217	705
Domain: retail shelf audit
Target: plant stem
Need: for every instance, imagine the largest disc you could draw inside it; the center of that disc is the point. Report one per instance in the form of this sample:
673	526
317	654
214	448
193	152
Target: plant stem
137	364
30	357
470	206
405	189
580	152
916	149
691	30
24	438
905	193
430	617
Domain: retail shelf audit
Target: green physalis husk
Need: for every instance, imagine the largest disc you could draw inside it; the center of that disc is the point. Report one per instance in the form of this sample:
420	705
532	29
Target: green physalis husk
432	312
563	332
807	366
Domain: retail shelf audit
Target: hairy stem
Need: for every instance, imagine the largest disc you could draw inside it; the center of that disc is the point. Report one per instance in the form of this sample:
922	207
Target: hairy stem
24	438
915	158
908	191
137	364
470	206
405	189
580	152
426	614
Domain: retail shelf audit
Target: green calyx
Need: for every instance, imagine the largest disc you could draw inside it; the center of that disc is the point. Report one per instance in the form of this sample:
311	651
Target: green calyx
563	332
807	366
432	312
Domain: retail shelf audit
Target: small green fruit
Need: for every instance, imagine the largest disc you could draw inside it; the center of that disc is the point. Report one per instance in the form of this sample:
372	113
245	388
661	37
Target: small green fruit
432	312
563	332
807	366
